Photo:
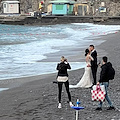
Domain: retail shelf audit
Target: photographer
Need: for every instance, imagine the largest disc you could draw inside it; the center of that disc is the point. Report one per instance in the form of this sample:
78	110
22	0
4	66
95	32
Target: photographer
62	77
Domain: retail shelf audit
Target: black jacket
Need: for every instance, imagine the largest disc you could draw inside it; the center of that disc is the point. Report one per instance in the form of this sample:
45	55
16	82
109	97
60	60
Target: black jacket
94	62
62	69
104	72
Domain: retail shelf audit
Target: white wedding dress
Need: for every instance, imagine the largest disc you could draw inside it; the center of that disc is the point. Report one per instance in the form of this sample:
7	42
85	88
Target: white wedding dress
85	81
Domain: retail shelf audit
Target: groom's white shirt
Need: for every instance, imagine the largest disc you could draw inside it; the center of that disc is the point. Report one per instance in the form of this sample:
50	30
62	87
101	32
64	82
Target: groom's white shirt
92	50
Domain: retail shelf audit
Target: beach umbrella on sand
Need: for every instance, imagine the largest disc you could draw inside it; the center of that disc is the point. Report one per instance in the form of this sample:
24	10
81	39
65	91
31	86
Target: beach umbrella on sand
77	108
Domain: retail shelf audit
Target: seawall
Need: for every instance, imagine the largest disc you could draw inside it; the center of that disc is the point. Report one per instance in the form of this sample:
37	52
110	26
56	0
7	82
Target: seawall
50	20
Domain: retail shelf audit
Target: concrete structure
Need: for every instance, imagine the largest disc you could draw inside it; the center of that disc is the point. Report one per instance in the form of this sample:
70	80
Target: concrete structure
49	9
81	9
10	7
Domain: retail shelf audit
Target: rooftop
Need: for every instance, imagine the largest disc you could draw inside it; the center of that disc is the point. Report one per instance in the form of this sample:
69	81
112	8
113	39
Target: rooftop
10	1
62	1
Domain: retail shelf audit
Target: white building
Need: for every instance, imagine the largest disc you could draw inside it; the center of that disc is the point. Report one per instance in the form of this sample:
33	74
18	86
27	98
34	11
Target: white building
11	7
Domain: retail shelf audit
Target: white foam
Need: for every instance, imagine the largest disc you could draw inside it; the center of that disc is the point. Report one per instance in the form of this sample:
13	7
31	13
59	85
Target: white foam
2	89
23	48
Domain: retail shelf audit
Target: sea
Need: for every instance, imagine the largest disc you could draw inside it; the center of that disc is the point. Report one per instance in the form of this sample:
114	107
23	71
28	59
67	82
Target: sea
23	47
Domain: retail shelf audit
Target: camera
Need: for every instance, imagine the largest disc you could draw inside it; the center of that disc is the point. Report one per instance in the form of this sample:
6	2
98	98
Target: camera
65	60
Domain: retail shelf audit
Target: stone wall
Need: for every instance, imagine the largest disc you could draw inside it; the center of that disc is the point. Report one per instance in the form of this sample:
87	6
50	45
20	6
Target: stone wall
112	8
27	6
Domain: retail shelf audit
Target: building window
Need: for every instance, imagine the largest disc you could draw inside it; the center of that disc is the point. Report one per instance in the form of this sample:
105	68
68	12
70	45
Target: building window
59	7
4	5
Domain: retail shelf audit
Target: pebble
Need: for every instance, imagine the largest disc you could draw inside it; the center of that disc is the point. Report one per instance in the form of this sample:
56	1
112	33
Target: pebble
61	118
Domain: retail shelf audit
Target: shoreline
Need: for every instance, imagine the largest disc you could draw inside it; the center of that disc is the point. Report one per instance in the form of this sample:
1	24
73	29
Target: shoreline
37	98
77	55
16	82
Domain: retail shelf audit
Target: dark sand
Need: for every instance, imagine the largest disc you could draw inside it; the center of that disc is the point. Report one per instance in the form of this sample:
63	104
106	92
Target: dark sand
35	98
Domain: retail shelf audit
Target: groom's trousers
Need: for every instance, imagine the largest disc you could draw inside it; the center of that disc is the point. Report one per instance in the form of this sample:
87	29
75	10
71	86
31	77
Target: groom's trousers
94	72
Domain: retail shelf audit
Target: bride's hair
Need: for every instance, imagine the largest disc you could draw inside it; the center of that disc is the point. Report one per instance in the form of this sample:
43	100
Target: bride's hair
86	52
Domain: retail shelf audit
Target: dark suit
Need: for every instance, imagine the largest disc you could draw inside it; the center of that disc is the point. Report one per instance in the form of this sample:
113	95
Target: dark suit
94	65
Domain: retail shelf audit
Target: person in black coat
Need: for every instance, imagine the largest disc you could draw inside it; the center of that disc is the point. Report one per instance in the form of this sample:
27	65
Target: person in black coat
62	67
104	80
104	75
62	78
94	65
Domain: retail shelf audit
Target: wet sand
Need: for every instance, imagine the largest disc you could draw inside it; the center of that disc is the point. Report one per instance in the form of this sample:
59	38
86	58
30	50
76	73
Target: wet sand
35	98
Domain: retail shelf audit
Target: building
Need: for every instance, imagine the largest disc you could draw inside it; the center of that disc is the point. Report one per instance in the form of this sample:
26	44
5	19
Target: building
10	7
81	9
61	7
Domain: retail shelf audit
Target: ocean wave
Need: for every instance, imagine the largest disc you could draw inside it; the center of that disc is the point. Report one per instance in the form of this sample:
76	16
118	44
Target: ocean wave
23	47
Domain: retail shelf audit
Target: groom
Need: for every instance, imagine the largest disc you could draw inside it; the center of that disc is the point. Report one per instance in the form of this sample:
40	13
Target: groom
93	63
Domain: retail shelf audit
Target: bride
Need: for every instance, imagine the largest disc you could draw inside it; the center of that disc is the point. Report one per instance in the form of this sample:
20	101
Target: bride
85	81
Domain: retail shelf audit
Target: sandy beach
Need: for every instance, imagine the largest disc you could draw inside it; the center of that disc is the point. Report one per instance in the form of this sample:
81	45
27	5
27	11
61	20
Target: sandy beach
35	98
